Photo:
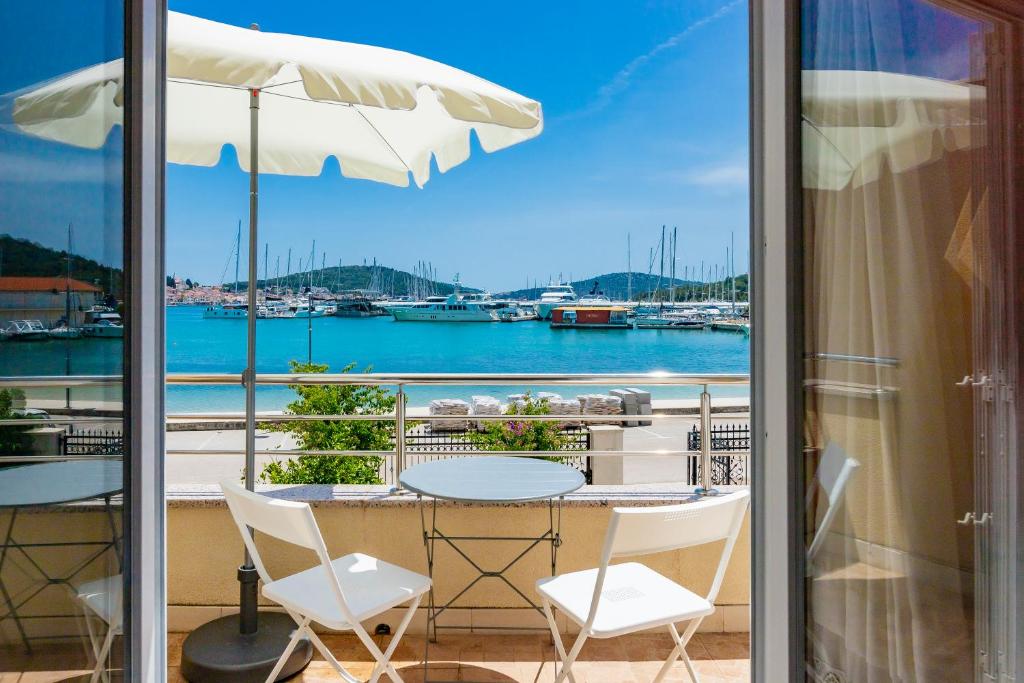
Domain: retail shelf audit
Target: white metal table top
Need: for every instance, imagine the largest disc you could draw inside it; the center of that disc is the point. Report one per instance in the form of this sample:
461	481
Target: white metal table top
66	481
492	479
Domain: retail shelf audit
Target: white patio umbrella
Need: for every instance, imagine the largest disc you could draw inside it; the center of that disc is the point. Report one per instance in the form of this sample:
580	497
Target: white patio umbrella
856	122
286	103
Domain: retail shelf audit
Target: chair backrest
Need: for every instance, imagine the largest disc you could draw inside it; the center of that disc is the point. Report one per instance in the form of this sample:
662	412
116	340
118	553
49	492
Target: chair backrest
645	530
835	470
289	521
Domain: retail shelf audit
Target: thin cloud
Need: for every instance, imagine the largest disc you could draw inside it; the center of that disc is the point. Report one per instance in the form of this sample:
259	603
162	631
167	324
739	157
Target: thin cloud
624	78
722	176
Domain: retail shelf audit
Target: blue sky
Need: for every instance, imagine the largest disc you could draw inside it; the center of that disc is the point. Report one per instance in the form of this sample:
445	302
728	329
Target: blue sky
646	123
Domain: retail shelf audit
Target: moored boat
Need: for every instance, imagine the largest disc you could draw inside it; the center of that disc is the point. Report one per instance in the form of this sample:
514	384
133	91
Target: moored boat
668	322
554	296
598	317
454	309
103	322
25	330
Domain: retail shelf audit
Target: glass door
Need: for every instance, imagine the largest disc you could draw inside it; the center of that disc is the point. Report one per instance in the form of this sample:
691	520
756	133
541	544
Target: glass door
909	234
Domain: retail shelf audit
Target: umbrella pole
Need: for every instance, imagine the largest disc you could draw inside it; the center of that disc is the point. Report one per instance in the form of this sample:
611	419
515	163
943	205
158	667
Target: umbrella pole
247	575
246	648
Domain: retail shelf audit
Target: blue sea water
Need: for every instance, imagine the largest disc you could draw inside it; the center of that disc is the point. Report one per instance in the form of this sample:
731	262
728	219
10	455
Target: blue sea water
197	345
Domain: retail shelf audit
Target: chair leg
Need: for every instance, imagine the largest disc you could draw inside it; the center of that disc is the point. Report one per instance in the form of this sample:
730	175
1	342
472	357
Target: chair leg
679	651
329	656
101	655
376	652
556	637
399	632
299	632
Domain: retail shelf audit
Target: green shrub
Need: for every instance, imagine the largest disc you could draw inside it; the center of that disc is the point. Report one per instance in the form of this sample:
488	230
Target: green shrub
334	436
14	439
522	435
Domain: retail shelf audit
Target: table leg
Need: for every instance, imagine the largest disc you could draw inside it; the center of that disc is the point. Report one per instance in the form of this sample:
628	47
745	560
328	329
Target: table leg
12	611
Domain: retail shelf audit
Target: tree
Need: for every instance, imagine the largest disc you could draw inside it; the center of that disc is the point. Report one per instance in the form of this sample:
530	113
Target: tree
332	435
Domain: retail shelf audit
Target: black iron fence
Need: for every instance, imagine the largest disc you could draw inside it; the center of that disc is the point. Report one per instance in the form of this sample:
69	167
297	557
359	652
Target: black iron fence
726	468
93	442
726	437
424	444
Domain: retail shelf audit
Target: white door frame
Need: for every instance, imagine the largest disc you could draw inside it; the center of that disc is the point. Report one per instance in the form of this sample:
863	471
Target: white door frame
776	365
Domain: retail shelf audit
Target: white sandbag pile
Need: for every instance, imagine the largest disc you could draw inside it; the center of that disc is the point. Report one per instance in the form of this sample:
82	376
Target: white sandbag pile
449	406
600	404
485	405
565	406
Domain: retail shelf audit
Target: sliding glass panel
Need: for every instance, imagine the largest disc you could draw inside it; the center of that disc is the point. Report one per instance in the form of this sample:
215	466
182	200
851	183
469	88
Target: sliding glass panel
61	345
907	422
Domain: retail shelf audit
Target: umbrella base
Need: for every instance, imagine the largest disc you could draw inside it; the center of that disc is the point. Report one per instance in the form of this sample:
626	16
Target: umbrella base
217	652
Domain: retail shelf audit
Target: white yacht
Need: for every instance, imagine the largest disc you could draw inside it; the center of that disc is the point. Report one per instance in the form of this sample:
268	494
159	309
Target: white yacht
104	322
554	296
454	308
25	330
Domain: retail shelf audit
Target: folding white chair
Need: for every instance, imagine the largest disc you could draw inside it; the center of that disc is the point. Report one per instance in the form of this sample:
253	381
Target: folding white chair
101	599
835	470
339	594
614	600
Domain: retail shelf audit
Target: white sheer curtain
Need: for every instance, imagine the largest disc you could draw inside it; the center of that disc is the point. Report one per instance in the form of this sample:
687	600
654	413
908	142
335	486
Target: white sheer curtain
888	173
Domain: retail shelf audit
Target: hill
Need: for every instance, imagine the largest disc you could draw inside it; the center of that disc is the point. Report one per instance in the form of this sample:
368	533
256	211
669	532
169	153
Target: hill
26	258
615	286
389	281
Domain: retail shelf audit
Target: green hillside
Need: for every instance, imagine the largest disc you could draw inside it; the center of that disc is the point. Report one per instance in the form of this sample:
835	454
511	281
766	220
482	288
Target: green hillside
389	281
613	285
616	285
27	258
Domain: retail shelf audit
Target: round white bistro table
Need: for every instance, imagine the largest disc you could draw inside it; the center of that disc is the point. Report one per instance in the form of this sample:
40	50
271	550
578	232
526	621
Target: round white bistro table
488	480
47	484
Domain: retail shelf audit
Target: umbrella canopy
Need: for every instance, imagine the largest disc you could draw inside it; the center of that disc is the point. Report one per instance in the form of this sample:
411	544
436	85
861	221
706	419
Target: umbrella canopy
854	122
382	113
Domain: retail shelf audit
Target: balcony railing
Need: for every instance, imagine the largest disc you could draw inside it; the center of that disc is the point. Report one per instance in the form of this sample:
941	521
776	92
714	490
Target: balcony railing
407	450
399	456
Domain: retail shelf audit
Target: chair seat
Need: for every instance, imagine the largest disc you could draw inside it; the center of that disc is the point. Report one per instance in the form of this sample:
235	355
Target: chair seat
370	586
634	597
103	597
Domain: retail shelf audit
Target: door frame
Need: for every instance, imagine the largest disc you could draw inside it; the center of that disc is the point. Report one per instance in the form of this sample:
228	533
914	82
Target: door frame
145	600
777	555
777	610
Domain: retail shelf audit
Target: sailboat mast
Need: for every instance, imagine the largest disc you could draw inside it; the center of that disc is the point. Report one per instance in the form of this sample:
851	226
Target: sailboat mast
629	268
238	252
661	271
310	265
67	285
732	267
675	241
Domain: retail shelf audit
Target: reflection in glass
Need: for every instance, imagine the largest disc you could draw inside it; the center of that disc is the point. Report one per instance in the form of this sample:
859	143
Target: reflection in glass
905	577
61	351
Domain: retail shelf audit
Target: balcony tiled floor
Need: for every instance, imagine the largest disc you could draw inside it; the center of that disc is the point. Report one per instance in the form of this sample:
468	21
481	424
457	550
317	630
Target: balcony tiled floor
717	657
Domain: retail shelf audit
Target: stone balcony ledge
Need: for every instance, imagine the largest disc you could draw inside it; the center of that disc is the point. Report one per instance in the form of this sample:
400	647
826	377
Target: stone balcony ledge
382	496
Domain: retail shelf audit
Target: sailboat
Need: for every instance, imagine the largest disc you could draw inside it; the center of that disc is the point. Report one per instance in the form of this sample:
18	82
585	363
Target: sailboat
65	329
